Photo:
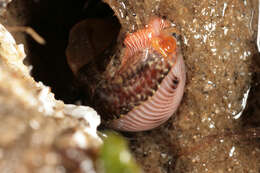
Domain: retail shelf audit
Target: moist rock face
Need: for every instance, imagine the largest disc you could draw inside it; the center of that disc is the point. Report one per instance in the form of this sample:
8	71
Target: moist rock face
209	133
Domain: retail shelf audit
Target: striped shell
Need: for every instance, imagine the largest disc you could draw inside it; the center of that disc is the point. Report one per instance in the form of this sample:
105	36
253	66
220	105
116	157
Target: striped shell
147	87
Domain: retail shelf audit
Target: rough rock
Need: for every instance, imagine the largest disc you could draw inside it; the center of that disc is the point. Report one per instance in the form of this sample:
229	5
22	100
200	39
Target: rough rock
39	133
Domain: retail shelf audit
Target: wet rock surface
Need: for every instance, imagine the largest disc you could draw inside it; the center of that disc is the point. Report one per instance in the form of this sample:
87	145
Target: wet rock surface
218	43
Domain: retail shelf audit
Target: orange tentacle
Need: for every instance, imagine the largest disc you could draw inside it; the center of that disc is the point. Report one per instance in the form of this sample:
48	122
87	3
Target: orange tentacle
142	39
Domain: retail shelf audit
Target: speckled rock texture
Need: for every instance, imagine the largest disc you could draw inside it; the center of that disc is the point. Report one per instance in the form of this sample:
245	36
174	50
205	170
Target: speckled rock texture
208	133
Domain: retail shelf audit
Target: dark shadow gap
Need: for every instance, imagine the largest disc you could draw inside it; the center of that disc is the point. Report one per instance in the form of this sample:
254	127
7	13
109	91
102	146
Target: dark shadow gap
53	20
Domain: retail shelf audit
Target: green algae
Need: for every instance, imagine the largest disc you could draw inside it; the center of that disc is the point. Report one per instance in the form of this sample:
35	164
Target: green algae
116	157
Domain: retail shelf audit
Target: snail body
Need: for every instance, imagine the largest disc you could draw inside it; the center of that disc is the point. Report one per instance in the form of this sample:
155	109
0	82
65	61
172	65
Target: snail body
146	87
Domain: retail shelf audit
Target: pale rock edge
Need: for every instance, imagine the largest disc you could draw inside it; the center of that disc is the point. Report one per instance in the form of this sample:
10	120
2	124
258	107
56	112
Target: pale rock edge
13	55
